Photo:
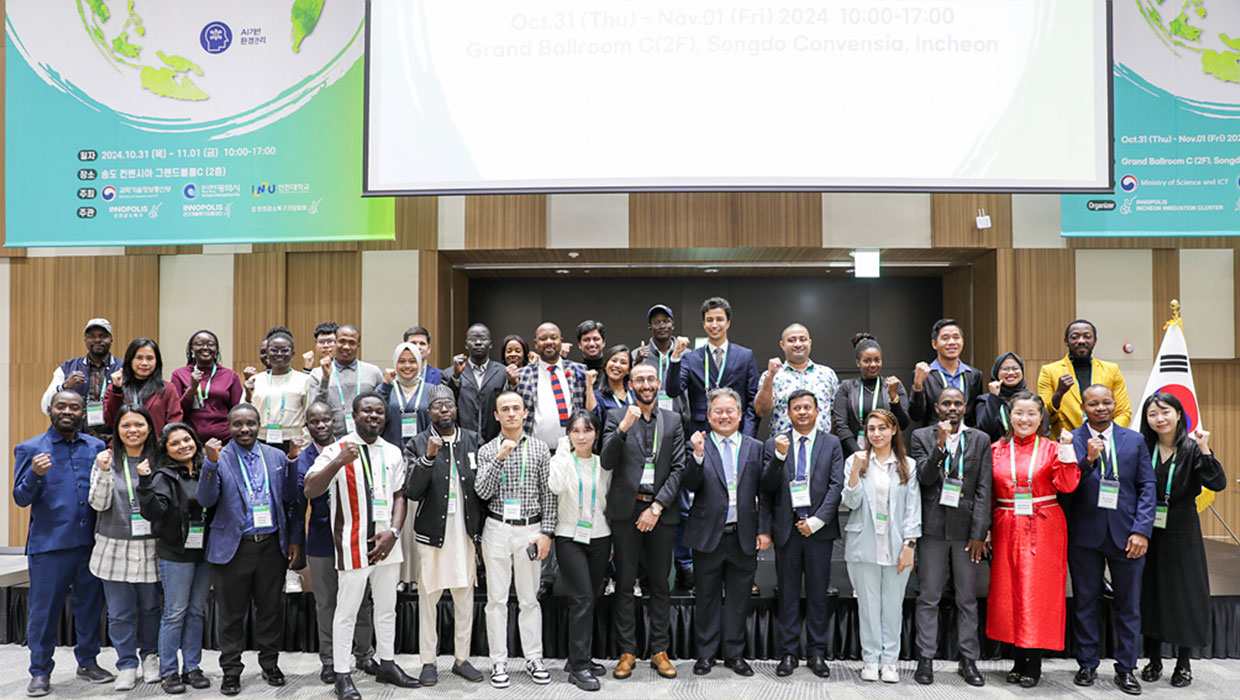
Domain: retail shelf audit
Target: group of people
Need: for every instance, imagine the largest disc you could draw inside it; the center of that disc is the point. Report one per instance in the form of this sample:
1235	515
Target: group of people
635	462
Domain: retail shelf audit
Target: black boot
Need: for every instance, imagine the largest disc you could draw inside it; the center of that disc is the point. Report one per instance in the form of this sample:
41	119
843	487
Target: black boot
1019	660
1033	669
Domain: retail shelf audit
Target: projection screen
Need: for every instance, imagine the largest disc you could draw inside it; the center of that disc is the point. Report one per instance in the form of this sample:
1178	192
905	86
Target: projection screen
495	96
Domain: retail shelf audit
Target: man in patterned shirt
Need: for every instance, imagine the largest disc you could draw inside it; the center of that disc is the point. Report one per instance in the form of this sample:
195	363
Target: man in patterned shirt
796	371
511	475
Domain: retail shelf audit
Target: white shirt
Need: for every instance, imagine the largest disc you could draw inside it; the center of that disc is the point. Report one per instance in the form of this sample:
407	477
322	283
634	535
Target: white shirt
564	480
815	523
348	497
479	371
953	438
883	473
546	411
290	390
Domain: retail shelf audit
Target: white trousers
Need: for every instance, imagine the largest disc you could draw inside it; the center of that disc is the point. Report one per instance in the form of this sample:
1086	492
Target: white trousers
351	588
503	550
428	622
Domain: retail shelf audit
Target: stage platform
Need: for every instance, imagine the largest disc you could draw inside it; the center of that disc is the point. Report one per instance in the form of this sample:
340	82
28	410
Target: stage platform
761	637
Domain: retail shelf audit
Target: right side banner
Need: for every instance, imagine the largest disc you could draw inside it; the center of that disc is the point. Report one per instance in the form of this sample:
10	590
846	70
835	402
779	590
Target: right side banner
1177	124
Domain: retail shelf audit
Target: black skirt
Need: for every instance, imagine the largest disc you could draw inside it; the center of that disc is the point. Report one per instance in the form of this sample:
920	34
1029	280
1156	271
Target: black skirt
1175	592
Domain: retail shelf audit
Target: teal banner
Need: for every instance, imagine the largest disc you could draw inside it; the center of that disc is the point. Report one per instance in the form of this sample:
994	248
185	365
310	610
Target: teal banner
1177	124
154	122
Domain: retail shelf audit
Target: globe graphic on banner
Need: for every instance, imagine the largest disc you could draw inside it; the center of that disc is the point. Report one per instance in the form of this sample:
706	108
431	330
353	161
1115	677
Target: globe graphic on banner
1202	35
183	67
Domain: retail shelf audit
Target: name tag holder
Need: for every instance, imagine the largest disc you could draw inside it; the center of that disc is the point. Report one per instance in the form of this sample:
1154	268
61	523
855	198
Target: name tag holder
275	433
196	536
880	524
408	424
349	425
584	531
1023	501
512	509
950	495
139	526
1160	516
732	495
799	490
262	516
380	509
94	413
648	474
1108	494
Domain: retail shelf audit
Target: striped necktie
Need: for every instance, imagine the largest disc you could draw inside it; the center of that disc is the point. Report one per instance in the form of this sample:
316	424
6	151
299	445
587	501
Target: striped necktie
558	389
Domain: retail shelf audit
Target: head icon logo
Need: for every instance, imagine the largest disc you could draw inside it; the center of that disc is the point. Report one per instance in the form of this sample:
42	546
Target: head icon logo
108	194
216	37
1128	183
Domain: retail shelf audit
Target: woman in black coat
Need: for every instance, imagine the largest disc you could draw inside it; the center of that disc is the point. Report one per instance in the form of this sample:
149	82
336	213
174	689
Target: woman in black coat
857	397
1007	378
1175	592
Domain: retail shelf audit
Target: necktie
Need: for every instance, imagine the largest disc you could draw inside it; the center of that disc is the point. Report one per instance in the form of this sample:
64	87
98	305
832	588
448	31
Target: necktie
729	473
252	471
801	461
718	352
558	389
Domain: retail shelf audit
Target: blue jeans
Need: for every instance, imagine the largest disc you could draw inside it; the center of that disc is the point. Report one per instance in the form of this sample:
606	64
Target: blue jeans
52	576
133	620
186	585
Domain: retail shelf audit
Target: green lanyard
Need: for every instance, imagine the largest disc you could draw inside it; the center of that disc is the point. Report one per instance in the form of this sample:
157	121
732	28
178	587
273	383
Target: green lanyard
1114	473
947	461
129	482
1170	470
581	497
662	364
861	399
719	375
736	452
654	450
202	394
417	398
348	410
946	382
271	383
382	468
1032	460
1003	417
249	487
525	451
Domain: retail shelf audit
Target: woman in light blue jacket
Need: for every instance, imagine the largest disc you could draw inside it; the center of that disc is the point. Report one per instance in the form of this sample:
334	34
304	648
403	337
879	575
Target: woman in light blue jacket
880	538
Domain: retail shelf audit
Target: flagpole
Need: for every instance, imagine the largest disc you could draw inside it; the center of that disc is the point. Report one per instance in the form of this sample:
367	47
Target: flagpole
1224	523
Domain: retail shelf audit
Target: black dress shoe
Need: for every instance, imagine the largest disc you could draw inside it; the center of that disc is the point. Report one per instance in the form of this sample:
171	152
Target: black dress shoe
925	671
196	679
1127	682
583	679
327	675
1152	672
345	690
1181	677
1085	676
702	666
786	665
370	667
172	684
274	676
94	674
391	674
39	686
818	665
739	666
545	589
231	685
595	668
968	671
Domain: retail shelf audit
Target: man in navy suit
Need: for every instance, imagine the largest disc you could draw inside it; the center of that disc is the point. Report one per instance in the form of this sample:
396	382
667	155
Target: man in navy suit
1110	518
715	364
805	498
251	542
729	522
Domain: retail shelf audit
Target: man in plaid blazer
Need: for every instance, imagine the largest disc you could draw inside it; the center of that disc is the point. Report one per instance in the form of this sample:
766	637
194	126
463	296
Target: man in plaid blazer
552	388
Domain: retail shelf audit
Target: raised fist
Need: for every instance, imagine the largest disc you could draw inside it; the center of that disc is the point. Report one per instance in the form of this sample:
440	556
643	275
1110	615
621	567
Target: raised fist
591	378
514	373
893	388
631	414
433	445
920	372
389	375
682	343
75	378
144	468
349	452
41	463
781	445
505	448
212	448
118	378
458	364
104	460
994	387
699	443
774	365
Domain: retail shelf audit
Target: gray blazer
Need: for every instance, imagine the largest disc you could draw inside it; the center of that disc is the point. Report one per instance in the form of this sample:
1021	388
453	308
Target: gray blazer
904	519
365	378
972	519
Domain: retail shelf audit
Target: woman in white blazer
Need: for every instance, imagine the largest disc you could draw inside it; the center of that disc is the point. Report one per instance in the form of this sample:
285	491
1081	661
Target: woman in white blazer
880	538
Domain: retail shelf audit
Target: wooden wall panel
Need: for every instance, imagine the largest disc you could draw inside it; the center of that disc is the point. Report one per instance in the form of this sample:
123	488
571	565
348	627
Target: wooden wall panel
778	219
725	220
1164	286
435	304
507	221
989	299
259	302
1218	385
1044	301
163	250
322	287
52	299
417	226
958	302
953	220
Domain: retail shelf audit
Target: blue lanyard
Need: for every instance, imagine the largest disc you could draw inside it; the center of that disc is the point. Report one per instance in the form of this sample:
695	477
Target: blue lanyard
947	461
581	497
706	373
249	487
736	453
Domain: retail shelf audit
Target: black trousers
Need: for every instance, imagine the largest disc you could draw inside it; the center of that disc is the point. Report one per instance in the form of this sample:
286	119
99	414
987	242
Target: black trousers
255	574
726	572
632	549
801	557
582	567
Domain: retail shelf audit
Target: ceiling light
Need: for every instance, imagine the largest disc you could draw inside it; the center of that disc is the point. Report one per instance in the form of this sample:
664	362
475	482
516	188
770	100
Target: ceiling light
865	263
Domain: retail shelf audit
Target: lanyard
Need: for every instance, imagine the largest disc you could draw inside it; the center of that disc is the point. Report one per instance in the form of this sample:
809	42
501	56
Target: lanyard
451	445
581	498
129	482
348	411
417	397
1032	460
1003	417
809	453
271	383
1170	470
736	452
249	487
947	461
947	382
662	363
861	399
1114	473
654	451
202	394
719	376
525	451
382	469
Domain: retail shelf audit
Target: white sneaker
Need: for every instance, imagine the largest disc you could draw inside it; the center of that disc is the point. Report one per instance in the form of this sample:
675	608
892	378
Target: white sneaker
637	590
610	587
538	672
499	676
890	674
292	582
869	672
126	680
150	669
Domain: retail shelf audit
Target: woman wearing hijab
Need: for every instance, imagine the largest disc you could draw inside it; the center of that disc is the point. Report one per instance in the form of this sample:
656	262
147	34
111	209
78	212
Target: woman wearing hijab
1007	379
406	396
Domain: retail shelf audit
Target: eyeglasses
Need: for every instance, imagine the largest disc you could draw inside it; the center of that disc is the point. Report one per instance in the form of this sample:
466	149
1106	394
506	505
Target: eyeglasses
663	323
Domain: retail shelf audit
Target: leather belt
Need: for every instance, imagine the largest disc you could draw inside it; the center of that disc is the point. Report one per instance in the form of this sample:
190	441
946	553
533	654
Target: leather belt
257	538
515	523
729	529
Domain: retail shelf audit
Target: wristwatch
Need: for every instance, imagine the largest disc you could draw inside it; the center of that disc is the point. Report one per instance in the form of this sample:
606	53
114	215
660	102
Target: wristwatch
657	508
395	531
911	544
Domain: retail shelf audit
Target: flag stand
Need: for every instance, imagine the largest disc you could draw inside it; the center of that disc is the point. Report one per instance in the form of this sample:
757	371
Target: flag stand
1224	524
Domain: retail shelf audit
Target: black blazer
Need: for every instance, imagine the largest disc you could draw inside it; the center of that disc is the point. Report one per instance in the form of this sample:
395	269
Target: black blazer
921	403
972	519
475	405
845	423
625	459
826	481
710	503
428	486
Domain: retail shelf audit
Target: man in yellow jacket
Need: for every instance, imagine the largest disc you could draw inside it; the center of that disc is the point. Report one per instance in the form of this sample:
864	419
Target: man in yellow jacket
1061	383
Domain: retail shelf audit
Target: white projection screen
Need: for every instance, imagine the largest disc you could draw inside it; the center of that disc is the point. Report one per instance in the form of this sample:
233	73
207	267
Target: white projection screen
507	96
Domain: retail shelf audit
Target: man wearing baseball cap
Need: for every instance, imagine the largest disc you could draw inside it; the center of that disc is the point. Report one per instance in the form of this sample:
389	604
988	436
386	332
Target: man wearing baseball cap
88	376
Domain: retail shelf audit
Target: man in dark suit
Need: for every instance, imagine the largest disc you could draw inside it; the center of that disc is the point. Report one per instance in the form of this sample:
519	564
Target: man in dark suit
251	486
805	500
477	381
715	364
946	369
644	448
729	522
954	470
1110	518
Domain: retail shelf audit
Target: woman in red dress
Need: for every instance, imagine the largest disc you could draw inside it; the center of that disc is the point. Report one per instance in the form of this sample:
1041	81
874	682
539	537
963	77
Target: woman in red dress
1028	574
